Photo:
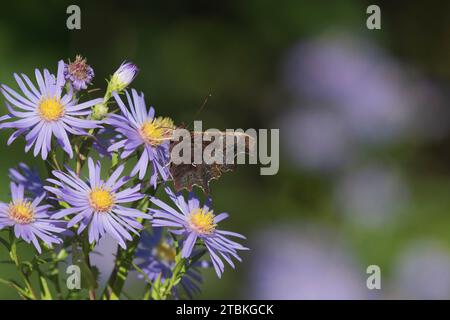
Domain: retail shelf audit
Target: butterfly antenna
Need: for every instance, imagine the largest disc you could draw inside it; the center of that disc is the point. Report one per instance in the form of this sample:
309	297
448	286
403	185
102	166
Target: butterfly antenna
200	109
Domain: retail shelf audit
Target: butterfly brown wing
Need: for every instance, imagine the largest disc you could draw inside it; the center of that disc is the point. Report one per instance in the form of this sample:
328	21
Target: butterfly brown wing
186	176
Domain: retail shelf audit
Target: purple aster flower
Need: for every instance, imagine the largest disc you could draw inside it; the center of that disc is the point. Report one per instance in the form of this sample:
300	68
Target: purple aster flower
301	261
123	76
372	196
27	177
421	271
377	97
193	222
79	73
30	220
156	257
99	204
45	112
140	128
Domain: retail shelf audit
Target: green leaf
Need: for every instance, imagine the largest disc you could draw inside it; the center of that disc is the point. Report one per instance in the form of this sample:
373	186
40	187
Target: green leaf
145	275
5	243
22	292
26	267
13	252
62	255
114	160
37	261
156	293
64	204
45	291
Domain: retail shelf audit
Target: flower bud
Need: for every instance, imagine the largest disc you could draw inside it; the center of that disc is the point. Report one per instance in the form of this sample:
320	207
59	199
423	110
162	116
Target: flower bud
123	77
99	111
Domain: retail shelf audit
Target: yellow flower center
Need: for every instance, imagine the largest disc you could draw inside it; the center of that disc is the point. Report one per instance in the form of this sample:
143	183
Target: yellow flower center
156	131
165	252
50	109
21	212
101	200
202	221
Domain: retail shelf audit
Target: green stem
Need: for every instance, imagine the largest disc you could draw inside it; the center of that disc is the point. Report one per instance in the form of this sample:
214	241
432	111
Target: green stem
177	273
83	152
182	265
15	258
54	275
55	160
147	292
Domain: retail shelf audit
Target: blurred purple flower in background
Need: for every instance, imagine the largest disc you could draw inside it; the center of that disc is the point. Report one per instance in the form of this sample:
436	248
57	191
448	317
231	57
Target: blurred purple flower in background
27	177
371	196
379	99
315	139
156	257
422	271
304	263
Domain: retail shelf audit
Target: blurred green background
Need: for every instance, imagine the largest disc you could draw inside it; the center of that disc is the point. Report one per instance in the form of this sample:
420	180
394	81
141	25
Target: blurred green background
363	117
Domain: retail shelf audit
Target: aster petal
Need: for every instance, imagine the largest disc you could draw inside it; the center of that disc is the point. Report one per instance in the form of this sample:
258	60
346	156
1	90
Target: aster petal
161	214
21	124
116	146
178	200
60	79
30	84
111	231
83	214
62	138
30	95
20	102
40	81
65	212
15	135
94	174
19	114
38	200
141	166
189	245
166	207
229	233
220	217
5	117
218	265
123	108
32	135
85	105
114	176
50	84
166	223
130	212
79	123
